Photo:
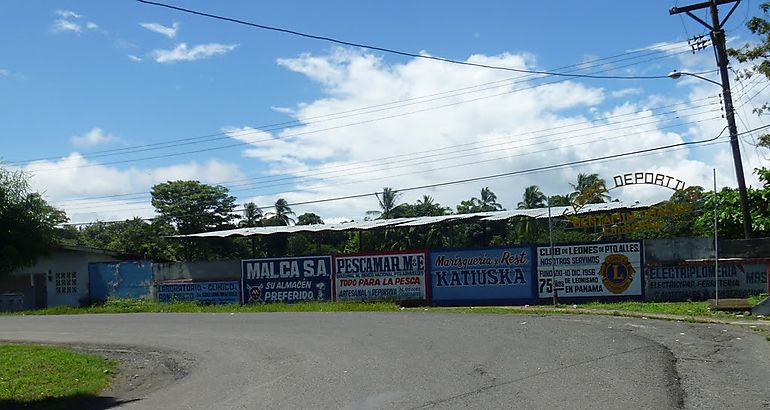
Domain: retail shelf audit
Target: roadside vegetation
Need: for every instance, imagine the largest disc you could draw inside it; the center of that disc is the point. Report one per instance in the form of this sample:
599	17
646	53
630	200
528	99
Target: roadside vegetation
48	377
686	309
150	306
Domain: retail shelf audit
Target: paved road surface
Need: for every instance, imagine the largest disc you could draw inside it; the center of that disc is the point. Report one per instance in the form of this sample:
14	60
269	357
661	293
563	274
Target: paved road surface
431	360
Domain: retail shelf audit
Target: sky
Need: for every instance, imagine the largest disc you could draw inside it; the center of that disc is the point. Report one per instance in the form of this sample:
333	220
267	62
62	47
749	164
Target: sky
99	101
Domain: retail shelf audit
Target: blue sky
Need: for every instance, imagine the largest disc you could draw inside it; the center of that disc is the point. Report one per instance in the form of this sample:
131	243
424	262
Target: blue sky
79	78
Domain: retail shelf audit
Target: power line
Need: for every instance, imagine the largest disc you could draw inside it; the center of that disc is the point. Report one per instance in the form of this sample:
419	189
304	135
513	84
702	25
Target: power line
226	135
564	129
709	141
393	51
286	136
476	162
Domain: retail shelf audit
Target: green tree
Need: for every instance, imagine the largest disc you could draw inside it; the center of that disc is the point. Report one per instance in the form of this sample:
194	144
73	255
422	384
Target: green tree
252	216
281	215
309	218
388	202
133	236
589	189
28	224
428	207
192	207
759	55
729	216
533	197
558	200
488	201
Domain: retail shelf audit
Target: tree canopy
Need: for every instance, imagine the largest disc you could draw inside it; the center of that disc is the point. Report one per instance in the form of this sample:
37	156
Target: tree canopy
28	224
194	207
757	53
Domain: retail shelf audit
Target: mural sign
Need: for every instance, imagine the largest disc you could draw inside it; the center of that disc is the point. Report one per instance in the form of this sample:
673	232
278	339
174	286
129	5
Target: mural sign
697	282
286	280
381	276
482	276
220	292
590	270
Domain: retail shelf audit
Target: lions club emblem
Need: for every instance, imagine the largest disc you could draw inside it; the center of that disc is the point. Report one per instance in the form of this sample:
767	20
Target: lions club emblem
617	273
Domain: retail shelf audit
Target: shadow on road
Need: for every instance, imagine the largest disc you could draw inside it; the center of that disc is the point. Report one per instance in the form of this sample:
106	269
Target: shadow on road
82	401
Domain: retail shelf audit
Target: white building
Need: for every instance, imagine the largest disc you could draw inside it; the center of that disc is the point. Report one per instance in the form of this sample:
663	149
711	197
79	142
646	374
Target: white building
60	278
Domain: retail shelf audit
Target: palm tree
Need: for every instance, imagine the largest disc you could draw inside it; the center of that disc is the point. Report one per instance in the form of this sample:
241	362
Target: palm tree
488	201
533	197
282	212
590	189
428	207
252	215
387	200
558	200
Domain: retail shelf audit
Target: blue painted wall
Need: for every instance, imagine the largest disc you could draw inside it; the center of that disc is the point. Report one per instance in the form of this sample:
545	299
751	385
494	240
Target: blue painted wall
131	279
488	276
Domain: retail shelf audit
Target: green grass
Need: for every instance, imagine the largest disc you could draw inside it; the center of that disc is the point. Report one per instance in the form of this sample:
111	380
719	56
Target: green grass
49	377
685	309
150	306
754	300
671	308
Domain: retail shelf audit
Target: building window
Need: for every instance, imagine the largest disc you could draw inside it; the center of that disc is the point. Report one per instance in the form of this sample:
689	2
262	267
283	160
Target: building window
66	282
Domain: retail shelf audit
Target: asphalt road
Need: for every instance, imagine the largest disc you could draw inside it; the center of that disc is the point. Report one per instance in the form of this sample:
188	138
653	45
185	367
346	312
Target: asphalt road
431	360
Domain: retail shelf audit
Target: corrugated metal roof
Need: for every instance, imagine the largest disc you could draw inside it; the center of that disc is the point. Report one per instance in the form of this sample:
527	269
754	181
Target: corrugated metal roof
539	213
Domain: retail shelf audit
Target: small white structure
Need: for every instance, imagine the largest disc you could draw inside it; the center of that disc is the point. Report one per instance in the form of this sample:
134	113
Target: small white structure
60	278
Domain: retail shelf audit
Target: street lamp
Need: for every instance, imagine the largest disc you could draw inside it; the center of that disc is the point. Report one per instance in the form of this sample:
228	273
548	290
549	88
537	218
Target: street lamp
730	116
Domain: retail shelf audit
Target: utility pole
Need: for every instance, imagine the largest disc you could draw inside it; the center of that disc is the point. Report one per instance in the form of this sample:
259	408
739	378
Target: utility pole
720	51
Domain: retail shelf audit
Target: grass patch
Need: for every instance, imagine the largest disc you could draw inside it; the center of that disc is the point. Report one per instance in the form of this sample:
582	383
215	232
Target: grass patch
754	300
684	309
49	377
669	308
150	306
691	311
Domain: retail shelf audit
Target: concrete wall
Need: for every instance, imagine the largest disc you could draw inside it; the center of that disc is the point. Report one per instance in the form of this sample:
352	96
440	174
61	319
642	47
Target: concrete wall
678	250
61	262
684	268
197	271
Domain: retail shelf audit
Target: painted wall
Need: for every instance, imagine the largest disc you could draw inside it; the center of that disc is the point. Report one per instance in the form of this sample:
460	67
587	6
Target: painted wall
65	264
130	279
697	281
221	292
591	270
485	276
287	280
396	275
197	271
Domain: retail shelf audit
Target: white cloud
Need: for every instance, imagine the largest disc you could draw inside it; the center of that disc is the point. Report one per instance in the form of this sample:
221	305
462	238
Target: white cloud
77	177
183	53
508	126
134	58
626	92
169	32
62	25
67	14
91	25
94	137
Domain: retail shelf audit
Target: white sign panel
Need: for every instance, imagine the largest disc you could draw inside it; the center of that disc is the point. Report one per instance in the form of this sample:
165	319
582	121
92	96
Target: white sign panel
590	270
385	276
